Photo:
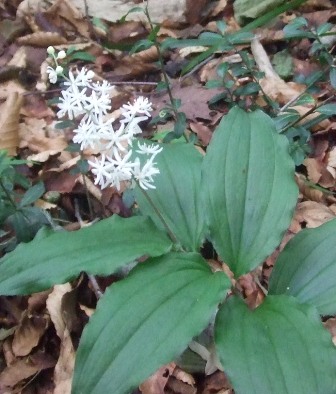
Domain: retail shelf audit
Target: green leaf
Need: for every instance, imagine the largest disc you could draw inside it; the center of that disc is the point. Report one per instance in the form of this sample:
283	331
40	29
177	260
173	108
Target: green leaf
281	347
26	222
32	194
99	249
327	109
145	321
306	268
177	194
249	189
283	64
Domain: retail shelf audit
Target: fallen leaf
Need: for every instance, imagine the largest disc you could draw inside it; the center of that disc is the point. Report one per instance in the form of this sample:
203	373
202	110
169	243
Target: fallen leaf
313	214
202	131
157	382
28	334
9	123
309	192
39	137
194	101
314	169
66	361
215	383
24	368
42	39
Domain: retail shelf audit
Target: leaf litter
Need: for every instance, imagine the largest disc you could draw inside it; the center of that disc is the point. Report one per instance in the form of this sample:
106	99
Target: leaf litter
38	336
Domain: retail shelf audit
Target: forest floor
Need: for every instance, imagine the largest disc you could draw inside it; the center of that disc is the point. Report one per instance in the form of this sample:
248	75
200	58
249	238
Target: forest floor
30	131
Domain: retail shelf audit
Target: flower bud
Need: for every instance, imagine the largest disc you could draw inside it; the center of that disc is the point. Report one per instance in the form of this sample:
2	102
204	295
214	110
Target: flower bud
90	74
59	70
51	50
61	55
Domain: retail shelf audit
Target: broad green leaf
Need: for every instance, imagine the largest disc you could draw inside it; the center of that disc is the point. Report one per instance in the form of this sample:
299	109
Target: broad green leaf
281	347
306	268
327	109
177	194
249	189
99	249
145	321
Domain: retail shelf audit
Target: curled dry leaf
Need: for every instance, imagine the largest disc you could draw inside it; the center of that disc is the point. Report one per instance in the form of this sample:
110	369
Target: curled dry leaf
65	364
307	191
157	382
28	334
42	39
313	214
23	369
39	137
147	56
65	10
314	169
9	123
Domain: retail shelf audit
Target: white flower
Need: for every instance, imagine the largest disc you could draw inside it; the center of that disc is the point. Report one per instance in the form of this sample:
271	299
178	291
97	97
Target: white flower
132	124
98	103
86	134
115	163
70	105
82	79
140	106
144	175
101	171
110	171
54	73
147	149
102	87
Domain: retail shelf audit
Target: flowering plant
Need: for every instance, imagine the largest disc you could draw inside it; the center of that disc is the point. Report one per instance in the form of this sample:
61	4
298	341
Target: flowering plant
90	101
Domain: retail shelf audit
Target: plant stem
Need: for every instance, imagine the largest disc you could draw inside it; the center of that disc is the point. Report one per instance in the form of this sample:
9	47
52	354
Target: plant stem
9	197
159	215
306	114
165	76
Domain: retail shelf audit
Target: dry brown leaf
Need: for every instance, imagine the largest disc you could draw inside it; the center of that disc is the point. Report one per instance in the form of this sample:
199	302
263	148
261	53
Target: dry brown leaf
28	334
65	9
178	386
184	376
220	6
194	101
65	364
157	382
313	214
39	137
9	123
147	56
217	383
307	191
202	131
42	39
330	325
24	368
314	169
127	32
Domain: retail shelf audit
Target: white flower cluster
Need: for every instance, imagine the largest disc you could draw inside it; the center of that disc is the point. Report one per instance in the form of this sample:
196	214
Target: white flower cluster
117	162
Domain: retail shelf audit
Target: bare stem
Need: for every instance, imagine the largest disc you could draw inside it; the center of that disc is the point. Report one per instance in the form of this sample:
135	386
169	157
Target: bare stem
165	76
159	215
